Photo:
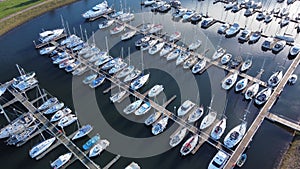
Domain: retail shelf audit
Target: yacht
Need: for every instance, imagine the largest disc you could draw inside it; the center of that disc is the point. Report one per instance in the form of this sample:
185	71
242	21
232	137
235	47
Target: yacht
48	35
80	70
226	58
146	27
182	57
229	81
117	29
245	35
93	51
178	137
134	74
248	12
208	119
179	13
189	145
156	28
153	118
88	79
132	107
222	29
149	44
251	91
218	129
284	21
66	63
67	120
196	114
207	22
263	96
126	71
164	8
48	103
117	67
160	126
218	53
235	135
254	37
106	24
156	48
155	90
41	147
268	43
293	79
98	81
139	82
83	131
54	108
219	160
61	160
199	66
47	50
279	45
190	62
103	60
98	148
175	36
260	16
185	107
60	114
188	15
117	97
126	17
96	11
196	18
143	109
275	79
73	66
149	2
115	14
246	65
174	54
23	136
268	18
128	35
241	84
91	142
233	30
195	45
294	50
167	48
133	165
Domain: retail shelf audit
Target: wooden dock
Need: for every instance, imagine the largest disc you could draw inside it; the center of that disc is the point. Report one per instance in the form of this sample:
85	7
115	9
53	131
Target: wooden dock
53	43
262	115
282	120
112	162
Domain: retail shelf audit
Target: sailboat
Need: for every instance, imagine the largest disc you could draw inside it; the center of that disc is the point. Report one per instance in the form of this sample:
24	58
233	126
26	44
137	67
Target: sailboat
209	118
195	115
199	66
229	81
241	84
160	126
178	137
275	79
263	96
189	145
153	118
251	91
235	135
218	129
219	53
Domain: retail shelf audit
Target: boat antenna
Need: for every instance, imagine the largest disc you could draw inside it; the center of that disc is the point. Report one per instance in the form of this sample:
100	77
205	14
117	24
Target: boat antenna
86	36
81	32
129	56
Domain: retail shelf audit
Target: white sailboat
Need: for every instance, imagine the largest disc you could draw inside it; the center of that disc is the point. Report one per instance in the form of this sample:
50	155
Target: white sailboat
219	53
132	107
275	79
209	118
263	96
155	90
199	66
241	84
178	137
160	126
61	160
229	81
41	147
185	107
252	91
189	145
235	135
196	115
218	129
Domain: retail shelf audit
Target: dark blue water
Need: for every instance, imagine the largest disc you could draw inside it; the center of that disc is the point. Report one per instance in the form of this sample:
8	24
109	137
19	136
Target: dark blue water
268	144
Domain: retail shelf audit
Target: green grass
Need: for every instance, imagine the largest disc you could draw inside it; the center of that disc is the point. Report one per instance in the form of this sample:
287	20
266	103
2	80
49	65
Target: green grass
8	7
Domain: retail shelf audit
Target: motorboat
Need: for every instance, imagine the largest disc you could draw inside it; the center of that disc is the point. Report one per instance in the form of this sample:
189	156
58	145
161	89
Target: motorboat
246	65
196	114
235	8
174	54
268	18
41	147
245	35
219	160
103	60
149	44
67	120
96	11
23	85
117	29
60	114
260	16
190	62
50	35
88	79
179	13
235	135
149	2
98	56
188	15
83	131
160	126
116	97
156	48
195	45
80	70
167	48
196	18
279	45
134	74
218	129
98	81
117	67
15	139
284	12
218	53
153	118
230	5
207	22
61	160
251	91
229	81
91	142
208	119
185	107
155	90
157	5
294	50
93	51
248	12
241	84
48	103
284	21
66	63
222	29
73	66
146	27
69	39
139	82
100	6
115	14
57	106
124	72
74	43
164	8
263	96
145	107
275	78
133	165
98	148
47	50
189	145
226	58
268	43
293	79
287	37
184	55
128	35
106	24
178	137
156	28
132	107
141	41
254	37
233	30
241	161
199	66
22	78
175	3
